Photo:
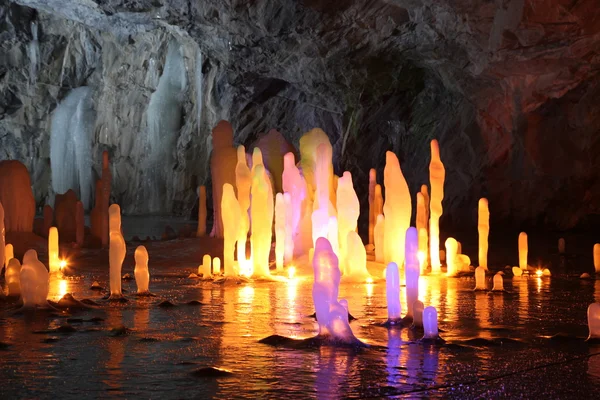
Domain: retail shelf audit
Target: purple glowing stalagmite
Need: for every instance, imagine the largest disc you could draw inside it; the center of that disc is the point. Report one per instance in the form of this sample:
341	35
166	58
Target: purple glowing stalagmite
392	277
411	269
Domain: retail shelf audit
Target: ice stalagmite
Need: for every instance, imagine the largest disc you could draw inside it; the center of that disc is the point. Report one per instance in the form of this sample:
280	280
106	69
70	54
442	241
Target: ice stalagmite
294	184
116	251
379	233
141	272
231	228
53	258
12	276
523	250
412	269
498	283
392	293
593	316
9	253
483	225
279	231
430	323
597	258
372	216
397	210
34	281
261	212
437	174
288	246
243	181
451	256
480	283
356	259
348	210
309	143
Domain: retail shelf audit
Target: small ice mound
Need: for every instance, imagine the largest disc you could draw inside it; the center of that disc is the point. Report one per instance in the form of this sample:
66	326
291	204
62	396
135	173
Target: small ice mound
141	272
480	283
96	286
430	325
517	272
211	372
34	282
585	275
12	277
593	316
546	272
498	283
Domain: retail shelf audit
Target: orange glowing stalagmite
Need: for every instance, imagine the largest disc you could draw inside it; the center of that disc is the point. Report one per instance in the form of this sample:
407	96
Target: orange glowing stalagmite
421	222
280	214
437	174
53	260
372	216
223	161
597	258
523	249
483	225
397	210
261	212
451	253
379	233
231	228
348	210
243	181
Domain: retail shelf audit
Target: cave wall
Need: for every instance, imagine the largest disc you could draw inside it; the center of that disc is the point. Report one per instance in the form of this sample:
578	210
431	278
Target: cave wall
509	88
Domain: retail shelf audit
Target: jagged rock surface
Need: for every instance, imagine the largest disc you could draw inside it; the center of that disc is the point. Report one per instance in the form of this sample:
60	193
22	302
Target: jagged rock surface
509	88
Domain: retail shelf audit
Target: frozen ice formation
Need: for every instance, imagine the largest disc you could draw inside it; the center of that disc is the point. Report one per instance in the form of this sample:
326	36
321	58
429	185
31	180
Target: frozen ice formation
397	209
437	174
379	232
206	268
451	256
309	143
12	277
53	260
223	162
9	251
216	266
422	222
372	216
348	210
201	230
288	244
593	316
294	184
261	212
231	228
517	271
331	315
483	226
523	250
16	197
480	283
280	213
392	293
356	259
498	283
243	181
141	272
430	323
411	269
34	281
116	251
597	258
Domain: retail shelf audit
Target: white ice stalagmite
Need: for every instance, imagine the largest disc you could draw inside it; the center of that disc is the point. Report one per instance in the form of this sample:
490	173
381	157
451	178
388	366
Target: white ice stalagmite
288	246
523	249
356	259
243	182
498	283
71	135
280	213
379	233
392	293
206	268
141	272
593	316
116	251
348	210
412	269
372	216
332	316
451	256
261	212
332	235
33	51
480	283
231	216
597	258
418	308
397	210
12	277
483	226
34	281
9	253
216	266
53	259
437	174
430	323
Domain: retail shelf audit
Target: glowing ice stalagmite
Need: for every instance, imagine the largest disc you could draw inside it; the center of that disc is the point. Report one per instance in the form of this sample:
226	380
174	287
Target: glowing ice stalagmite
593	316
279	231
309	144
34	281
323	176
201	229
243	182
430	323
348	210
9	253
523	250
498	283
116	251
451	259
53	259
294	184
216	265
356	259
483	226
372	216
13	281
231	228
206	267
288	244
480	283
223	160
2	235
331	315
261	212
597	258
437	174
397	210
392	293
141	272
379	238
412	269
377	202
421	223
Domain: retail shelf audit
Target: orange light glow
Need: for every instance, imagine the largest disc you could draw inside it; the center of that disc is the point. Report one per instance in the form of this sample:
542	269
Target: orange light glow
62	264
291	272
369	280
539	272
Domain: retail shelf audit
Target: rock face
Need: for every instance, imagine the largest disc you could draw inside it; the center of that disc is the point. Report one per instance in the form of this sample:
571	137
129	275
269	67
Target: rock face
508	88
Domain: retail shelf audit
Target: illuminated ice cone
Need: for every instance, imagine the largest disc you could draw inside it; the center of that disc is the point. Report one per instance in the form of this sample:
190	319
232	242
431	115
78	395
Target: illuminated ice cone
288	242
320	224
597	257
422	222
392	293
379	242
116	251
243	182
463	263
216	266
206	268
451	253
9	253
397	209
348	210
356	259
372	216
483	225
53	260
324	180
34	280
141	272
331	315
309	144
332	235
437	174
377	203
411	269
418	314
561	246
523	250
480	283
279	231
261	212
498	283
593	316
517	271
201	229
430	323
231	228
294	184
13	281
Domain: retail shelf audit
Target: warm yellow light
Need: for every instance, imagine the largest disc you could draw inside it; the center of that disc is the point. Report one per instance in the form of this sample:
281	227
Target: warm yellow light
291	272
62	288
539	272
369	280
62	264
421	257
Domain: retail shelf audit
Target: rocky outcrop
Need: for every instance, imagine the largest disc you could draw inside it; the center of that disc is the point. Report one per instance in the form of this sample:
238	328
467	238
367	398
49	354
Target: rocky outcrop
507	87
